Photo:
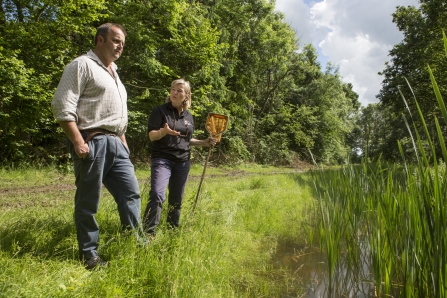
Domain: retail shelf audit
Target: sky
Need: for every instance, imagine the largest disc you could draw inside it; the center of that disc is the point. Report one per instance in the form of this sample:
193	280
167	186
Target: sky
355	35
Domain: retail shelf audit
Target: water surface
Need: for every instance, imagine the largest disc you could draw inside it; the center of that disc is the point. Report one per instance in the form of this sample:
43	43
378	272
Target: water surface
307	272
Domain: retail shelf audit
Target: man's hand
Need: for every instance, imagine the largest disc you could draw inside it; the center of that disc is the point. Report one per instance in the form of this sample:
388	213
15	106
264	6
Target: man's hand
82	150
72	132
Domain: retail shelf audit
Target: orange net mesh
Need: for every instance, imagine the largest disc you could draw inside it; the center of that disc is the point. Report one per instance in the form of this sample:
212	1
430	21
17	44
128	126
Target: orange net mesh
216	124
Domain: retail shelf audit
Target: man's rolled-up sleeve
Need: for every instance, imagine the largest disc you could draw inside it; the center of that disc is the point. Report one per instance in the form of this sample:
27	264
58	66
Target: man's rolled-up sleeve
66	97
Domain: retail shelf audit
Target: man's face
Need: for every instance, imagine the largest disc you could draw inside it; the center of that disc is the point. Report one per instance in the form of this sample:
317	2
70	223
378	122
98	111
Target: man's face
112	46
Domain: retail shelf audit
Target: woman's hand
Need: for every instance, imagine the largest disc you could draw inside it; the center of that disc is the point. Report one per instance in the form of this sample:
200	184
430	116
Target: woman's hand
166	130
155	135
210	141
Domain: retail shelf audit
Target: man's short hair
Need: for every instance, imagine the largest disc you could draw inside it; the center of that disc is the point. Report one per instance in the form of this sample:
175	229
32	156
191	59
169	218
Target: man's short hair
104	29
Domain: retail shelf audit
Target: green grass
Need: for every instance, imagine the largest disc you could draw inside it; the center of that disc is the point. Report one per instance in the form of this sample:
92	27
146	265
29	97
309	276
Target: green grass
28	177
223	249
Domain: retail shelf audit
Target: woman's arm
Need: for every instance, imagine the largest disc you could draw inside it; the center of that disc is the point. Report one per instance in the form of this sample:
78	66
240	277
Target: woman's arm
207	142
155	135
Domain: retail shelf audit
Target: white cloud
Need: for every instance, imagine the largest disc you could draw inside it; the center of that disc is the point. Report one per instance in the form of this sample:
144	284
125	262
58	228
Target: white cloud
298	17
356	35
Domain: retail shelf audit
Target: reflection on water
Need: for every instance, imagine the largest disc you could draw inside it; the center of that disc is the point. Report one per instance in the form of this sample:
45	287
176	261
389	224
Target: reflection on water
308	271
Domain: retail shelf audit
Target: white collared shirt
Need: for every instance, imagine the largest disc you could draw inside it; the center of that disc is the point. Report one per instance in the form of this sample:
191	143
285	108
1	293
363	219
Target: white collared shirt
90	96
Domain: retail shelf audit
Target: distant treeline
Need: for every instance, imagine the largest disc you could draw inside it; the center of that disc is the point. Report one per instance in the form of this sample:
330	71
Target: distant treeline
242	60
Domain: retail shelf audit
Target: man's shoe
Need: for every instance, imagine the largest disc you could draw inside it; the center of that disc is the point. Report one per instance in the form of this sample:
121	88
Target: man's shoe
95	262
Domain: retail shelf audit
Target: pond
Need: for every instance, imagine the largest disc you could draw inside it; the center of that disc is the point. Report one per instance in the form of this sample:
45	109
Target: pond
307	270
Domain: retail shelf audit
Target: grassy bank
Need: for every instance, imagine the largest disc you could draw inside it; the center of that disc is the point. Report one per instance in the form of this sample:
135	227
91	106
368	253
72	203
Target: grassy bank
224	249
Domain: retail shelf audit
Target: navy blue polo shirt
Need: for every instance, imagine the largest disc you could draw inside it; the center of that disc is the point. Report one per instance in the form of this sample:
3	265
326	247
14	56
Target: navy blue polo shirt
173	148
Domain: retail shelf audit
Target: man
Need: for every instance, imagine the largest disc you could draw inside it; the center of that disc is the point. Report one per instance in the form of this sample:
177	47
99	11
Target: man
90	105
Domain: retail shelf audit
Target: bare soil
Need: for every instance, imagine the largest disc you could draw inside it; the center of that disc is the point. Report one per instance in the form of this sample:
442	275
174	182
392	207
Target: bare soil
62	187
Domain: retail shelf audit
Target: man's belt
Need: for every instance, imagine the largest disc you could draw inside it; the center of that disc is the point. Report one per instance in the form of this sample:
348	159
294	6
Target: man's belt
93	132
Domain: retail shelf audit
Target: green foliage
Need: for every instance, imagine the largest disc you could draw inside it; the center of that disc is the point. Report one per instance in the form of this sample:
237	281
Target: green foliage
37	39
273	149
422	45
325	112
241	58
23	94
237	150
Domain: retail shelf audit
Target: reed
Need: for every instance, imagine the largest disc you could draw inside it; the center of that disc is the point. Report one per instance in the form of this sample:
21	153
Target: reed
393	215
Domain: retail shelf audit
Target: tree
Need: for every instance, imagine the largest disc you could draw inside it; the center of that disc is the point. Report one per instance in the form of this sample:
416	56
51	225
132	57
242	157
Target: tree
325	107
166	40
241	58
36	42
422	46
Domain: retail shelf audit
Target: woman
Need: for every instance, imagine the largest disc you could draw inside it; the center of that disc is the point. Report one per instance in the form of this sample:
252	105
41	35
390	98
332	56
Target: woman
170	129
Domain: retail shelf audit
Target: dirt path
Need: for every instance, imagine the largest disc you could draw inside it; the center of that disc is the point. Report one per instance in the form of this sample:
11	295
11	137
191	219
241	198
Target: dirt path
66	187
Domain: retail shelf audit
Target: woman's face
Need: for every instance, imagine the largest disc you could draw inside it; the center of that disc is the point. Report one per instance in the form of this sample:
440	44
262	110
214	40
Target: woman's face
178	95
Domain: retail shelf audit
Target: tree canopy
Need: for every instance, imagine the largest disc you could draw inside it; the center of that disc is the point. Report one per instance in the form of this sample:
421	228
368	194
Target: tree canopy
406	77
241	57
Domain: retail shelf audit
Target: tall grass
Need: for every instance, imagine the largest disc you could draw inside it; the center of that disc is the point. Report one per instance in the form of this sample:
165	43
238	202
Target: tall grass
393	215
223	249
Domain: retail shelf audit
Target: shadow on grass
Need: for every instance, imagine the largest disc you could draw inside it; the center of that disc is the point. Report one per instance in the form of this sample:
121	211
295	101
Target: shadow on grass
51	237
45	238
306	180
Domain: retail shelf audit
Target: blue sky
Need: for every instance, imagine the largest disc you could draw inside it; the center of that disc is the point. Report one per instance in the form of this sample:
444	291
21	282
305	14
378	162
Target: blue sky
311	2
356	35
